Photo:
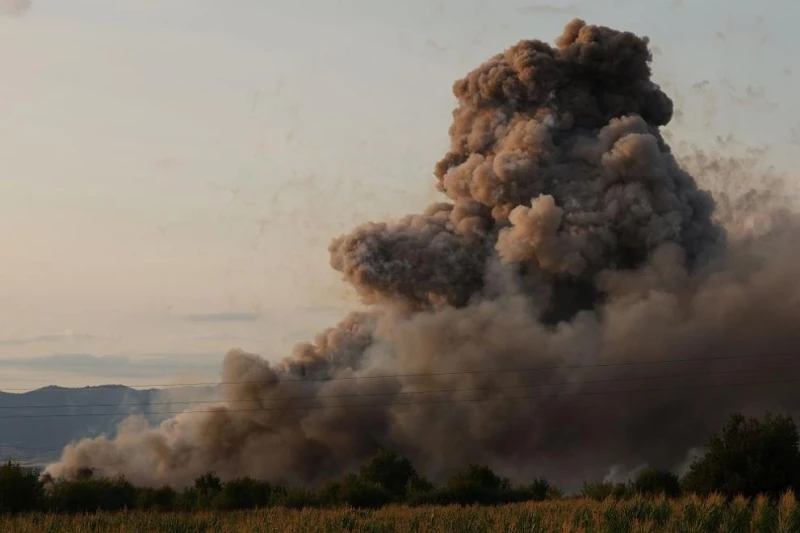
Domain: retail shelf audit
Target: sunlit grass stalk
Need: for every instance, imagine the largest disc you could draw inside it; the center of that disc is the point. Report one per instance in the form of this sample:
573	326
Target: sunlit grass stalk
691	514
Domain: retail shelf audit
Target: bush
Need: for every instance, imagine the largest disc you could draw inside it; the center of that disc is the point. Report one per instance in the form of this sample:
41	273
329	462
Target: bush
156	499
749	457
390	471
653	481
20	489
541	490
245	493
477	484
604	490
293	497
88	495
419	491
478	477
206	489
357	492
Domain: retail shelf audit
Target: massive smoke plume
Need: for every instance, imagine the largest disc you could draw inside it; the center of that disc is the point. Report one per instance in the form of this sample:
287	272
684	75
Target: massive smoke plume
571	241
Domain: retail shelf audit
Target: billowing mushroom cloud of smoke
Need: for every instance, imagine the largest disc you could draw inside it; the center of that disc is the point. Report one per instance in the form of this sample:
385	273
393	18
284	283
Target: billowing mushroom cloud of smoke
518	323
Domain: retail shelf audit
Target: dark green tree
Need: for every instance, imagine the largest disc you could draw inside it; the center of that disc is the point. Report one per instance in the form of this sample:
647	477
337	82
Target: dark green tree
357	492
206	489
244	493
653	481
478	484
157	499
541	489
93	494
749	457
478	476
20	489
390	471
293	497
605	490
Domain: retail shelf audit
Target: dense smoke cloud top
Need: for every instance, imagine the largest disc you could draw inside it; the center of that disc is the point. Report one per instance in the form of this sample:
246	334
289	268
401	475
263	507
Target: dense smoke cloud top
571	237
556	166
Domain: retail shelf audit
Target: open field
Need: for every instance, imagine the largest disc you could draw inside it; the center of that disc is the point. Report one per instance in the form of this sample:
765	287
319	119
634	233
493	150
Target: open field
686	515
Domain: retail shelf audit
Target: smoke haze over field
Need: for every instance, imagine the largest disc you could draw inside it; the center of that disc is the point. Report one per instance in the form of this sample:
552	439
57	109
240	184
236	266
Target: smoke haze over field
569	236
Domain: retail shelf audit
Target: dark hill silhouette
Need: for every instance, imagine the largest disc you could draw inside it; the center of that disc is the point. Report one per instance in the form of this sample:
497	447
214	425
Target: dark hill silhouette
29	433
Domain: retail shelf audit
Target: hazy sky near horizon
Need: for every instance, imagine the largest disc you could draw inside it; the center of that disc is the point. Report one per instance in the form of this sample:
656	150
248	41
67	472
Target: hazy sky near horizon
173	170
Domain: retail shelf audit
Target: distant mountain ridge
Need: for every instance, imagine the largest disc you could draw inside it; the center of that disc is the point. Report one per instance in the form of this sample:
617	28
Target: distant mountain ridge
36	425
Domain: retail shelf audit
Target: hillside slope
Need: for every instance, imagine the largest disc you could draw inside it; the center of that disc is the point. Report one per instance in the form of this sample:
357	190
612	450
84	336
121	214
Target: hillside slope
36	425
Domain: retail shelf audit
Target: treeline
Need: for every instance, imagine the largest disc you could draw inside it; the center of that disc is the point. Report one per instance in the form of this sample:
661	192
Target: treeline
385	479
749	457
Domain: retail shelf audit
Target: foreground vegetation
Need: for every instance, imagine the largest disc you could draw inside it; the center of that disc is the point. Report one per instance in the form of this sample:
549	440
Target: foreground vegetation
745	482
652	515
750	457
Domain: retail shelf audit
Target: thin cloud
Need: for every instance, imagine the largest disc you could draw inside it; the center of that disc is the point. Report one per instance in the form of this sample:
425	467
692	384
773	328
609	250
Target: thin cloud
222	317
217	337
548	9
116	366
50	338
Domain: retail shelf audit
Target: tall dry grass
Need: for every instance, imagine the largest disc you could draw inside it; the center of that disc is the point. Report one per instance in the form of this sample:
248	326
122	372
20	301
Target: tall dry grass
638	515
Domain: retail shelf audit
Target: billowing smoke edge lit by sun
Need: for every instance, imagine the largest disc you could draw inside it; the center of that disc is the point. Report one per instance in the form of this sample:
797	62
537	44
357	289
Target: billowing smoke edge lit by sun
569	239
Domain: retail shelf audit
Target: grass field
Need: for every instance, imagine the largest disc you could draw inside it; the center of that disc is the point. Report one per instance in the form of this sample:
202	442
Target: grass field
687	515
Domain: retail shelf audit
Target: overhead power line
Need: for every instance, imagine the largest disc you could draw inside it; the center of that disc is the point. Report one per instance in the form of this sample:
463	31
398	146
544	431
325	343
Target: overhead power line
405	393
287	379
418	402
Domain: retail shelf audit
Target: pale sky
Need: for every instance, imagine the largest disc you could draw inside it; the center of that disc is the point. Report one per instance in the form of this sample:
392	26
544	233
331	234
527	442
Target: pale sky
171	171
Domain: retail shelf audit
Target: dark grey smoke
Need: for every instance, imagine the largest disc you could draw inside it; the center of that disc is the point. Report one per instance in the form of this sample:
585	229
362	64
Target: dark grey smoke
571	237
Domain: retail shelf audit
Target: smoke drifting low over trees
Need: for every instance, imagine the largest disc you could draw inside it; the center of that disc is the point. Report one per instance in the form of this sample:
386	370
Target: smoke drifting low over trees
569	239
